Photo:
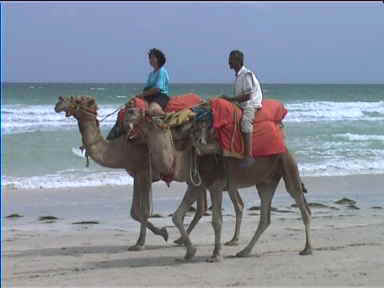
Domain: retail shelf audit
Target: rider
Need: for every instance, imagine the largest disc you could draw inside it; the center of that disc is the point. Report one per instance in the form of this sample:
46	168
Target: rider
156	90
247	92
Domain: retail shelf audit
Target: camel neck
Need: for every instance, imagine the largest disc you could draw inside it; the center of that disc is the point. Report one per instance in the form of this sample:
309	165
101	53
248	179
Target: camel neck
92	139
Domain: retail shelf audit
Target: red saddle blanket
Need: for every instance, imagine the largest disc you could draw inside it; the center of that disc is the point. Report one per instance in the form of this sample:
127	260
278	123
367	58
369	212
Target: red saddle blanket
268	137
176	103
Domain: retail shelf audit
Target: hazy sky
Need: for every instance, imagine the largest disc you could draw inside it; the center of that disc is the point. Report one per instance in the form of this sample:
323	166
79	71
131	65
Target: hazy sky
108	41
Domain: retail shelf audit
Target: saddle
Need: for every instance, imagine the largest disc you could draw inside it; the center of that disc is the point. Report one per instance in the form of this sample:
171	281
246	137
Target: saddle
268	136
178	112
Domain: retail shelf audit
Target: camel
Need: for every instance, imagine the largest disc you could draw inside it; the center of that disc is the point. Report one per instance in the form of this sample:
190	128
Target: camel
179	166
123	154
265	174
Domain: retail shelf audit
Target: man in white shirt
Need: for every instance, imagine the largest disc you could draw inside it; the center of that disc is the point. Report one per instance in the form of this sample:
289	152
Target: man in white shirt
247	92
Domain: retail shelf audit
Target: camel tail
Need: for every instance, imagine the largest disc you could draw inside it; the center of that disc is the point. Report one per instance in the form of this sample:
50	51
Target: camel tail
292	180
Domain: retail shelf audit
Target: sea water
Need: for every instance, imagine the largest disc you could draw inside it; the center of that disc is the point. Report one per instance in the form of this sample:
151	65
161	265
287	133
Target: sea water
330	129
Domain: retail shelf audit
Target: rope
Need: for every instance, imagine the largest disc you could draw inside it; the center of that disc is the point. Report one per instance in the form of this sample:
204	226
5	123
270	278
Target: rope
235	128
171	136
194	170
110	114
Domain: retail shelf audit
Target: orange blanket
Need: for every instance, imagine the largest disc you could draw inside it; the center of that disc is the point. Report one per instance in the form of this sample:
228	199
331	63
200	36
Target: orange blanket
268	137
176	103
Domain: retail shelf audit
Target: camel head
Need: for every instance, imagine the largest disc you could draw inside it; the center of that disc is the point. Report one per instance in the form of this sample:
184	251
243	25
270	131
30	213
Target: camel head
133	116
202	136
77	106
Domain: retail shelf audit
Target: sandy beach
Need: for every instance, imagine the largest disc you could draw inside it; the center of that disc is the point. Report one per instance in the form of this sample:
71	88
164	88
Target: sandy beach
347	241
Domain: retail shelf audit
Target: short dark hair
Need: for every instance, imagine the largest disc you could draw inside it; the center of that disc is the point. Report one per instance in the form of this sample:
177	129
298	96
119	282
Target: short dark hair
238	55
159	55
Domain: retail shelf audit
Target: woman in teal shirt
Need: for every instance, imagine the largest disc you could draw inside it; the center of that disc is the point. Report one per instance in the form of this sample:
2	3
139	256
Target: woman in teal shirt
156	90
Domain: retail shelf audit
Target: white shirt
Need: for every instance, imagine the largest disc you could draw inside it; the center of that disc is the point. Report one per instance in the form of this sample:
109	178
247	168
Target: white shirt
247	83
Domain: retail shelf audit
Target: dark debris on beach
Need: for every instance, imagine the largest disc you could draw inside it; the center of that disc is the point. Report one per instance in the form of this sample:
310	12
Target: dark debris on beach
85	222
14	216
47	218
273	209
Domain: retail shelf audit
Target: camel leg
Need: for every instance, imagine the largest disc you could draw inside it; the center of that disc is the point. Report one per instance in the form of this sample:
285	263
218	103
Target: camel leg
141	208
141	241
217	221
178	216
306	216
295	188
238	205
201	209
266	192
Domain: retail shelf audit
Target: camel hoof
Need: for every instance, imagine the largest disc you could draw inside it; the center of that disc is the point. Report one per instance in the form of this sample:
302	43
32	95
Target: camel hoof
164	233
215	259
232	243
306	251
242	253
190	253
136	248
179	241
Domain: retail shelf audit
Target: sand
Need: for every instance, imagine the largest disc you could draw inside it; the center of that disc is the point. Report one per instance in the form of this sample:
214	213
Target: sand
348	248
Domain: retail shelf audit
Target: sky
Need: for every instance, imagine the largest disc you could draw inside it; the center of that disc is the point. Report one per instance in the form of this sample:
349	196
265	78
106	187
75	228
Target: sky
283	42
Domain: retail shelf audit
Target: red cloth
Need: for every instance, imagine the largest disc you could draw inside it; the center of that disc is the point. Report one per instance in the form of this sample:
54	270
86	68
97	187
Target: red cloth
139	103
268	138
176	103
134	102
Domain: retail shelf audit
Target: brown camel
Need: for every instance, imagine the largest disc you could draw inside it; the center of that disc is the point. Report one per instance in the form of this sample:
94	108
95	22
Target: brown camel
120	153
265	174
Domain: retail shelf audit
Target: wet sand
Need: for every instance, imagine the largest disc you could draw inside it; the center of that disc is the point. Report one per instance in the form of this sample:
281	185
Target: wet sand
348	243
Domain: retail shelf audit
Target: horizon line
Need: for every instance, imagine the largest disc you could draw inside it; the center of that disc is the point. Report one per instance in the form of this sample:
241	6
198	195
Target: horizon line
178	83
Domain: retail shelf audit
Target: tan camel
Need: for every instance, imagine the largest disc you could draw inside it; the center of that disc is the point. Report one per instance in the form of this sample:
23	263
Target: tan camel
177	164
265	174
120	153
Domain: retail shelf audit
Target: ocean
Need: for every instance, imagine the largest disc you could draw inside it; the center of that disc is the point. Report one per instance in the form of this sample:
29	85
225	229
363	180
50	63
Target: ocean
330	129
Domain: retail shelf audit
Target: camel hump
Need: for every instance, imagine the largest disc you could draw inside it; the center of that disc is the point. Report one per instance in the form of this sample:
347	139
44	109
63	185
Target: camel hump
272	110
268	137
175	103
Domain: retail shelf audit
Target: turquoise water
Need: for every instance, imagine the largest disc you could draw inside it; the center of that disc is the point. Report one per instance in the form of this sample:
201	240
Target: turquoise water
331	129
